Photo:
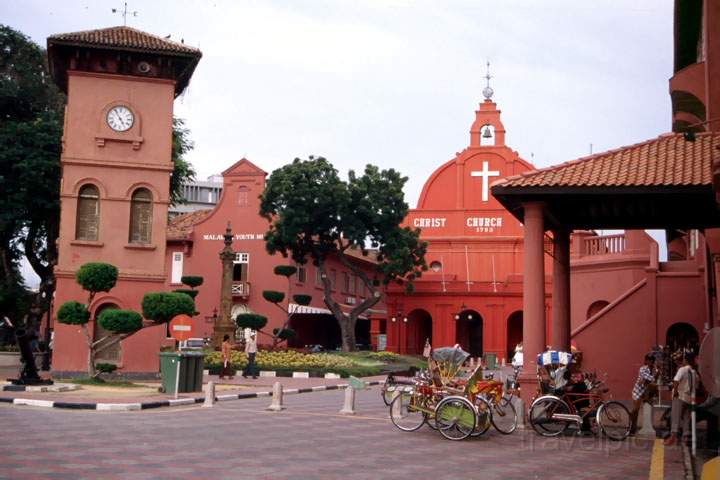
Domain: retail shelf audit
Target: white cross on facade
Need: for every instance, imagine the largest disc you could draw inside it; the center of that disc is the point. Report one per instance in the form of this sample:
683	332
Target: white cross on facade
485	174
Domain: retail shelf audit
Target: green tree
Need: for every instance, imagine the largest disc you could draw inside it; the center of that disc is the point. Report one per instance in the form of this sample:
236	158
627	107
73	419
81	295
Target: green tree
313	214
158	308
31	121
31	110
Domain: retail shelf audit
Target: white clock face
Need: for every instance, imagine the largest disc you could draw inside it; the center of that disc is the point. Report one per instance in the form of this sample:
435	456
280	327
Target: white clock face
120	118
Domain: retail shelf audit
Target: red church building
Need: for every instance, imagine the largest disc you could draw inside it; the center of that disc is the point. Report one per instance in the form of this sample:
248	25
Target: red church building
472	294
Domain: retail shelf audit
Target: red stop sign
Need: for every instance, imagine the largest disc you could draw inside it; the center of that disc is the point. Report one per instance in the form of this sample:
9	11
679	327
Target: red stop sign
181	327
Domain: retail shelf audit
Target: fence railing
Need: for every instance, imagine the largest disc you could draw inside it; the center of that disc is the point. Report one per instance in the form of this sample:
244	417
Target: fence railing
604	245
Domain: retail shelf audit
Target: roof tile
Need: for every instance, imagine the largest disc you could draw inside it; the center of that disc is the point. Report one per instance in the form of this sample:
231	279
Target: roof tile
668	160
180	227
126	38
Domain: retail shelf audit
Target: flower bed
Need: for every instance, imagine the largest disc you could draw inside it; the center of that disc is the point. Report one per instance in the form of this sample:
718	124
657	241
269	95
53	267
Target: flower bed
289	361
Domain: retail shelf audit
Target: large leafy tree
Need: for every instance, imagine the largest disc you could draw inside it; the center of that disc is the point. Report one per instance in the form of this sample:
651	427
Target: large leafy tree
314	215
31	112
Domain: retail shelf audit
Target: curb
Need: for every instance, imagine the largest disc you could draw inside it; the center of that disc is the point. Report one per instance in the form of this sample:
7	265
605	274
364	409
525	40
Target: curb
57	387
129	407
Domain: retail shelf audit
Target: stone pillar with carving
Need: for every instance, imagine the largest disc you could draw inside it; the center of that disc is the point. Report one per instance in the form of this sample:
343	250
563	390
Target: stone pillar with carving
224	325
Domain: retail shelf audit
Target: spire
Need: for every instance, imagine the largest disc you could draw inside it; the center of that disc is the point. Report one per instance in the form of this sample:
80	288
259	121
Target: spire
488	91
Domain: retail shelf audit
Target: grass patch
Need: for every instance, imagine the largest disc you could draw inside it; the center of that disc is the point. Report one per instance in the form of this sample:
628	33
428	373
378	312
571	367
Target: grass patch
99	382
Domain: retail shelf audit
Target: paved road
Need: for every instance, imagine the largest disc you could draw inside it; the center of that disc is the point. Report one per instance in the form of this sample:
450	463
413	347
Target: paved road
309	440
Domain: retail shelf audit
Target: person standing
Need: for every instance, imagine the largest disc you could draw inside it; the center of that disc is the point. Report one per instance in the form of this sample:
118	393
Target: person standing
251	350
643	390
226	349
684	385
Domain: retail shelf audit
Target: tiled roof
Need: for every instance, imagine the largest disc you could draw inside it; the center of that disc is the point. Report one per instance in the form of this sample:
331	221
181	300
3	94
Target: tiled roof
180	227
125	38
668	160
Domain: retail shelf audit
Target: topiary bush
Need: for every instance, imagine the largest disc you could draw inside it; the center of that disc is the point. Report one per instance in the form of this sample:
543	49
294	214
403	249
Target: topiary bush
73	313
97	277
273	296
120	321
161	307
251	320
105	367
286	334
192	281
187	291
301	299
285	270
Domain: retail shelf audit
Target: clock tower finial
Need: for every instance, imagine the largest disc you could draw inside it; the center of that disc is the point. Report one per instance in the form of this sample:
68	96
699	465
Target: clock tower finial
488	91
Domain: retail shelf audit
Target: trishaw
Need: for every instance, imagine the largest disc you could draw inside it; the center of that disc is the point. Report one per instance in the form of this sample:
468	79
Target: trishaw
564	401
445	397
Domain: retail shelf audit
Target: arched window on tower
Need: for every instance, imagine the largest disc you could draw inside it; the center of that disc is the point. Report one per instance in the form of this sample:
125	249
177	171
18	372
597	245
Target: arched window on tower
487	136
141	216
87	222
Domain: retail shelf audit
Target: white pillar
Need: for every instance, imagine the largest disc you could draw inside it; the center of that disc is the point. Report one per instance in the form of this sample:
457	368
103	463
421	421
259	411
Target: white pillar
209	394
647	429
349	404
277	399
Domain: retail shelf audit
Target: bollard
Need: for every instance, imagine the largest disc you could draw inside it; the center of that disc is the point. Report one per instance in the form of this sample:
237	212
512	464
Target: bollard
209	395
277	399
503	362
349	405
647	429
395	411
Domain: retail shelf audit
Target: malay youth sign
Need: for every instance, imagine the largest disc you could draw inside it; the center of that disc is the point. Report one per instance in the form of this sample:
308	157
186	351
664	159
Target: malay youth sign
237	236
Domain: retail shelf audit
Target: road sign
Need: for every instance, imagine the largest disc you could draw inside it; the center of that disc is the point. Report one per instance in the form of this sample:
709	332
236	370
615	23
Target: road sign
181	327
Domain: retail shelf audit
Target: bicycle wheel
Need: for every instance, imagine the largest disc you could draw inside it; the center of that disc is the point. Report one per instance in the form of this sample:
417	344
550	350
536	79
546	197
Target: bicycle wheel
455	417
484	416
504	417
541	416
614	420
405	413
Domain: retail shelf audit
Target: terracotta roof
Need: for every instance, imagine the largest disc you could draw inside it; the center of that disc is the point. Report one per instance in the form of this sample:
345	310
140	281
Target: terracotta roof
668	160
124	38
180	227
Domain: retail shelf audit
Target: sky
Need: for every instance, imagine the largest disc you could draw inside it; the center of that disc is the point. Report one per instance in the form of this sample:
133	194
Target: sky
396	83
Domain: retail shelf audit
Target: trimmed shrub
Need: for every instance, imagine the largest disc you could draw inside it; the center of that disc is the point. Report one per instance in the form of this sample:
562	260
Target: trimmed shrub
73	313
251	320
161	307
192	281
301	299
120	321
273	296
285	270
97	277
187	291
105	367
286	334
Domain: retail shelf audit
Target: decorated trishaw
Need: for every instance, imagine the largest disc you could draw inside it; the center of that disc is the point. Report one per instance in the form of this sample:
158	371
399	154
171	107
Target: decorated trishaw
452	398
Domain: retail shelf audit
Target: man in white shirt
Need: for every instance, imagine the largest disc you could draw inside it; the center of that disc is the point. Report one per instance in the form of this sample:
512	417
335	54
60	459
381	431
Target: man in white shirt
684	385
251	350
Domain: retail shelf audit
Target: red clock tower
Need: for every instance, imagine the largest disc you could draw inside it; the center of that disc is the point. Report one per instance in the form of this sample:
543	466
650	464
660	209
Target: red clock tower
116	167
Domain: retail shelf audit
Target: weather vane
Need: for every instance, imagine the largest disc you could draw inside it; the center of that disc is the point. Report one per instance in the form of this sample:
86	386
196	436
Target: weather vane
487	91
124	12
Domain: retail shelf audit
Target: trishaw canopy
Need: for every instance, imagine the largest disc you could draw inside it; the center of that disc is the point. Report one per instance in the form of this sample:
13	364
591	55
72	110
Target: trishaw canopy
554	358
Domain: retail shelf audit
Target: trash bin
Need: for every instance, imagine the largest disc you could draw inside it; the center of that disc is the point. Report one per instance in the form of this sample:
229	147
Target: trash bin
190	375
491	361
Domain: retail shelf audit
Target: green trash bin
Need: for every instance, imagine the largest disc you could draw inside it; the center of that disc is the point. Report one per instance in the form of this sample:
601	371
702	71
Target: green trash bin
491	361
185	368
